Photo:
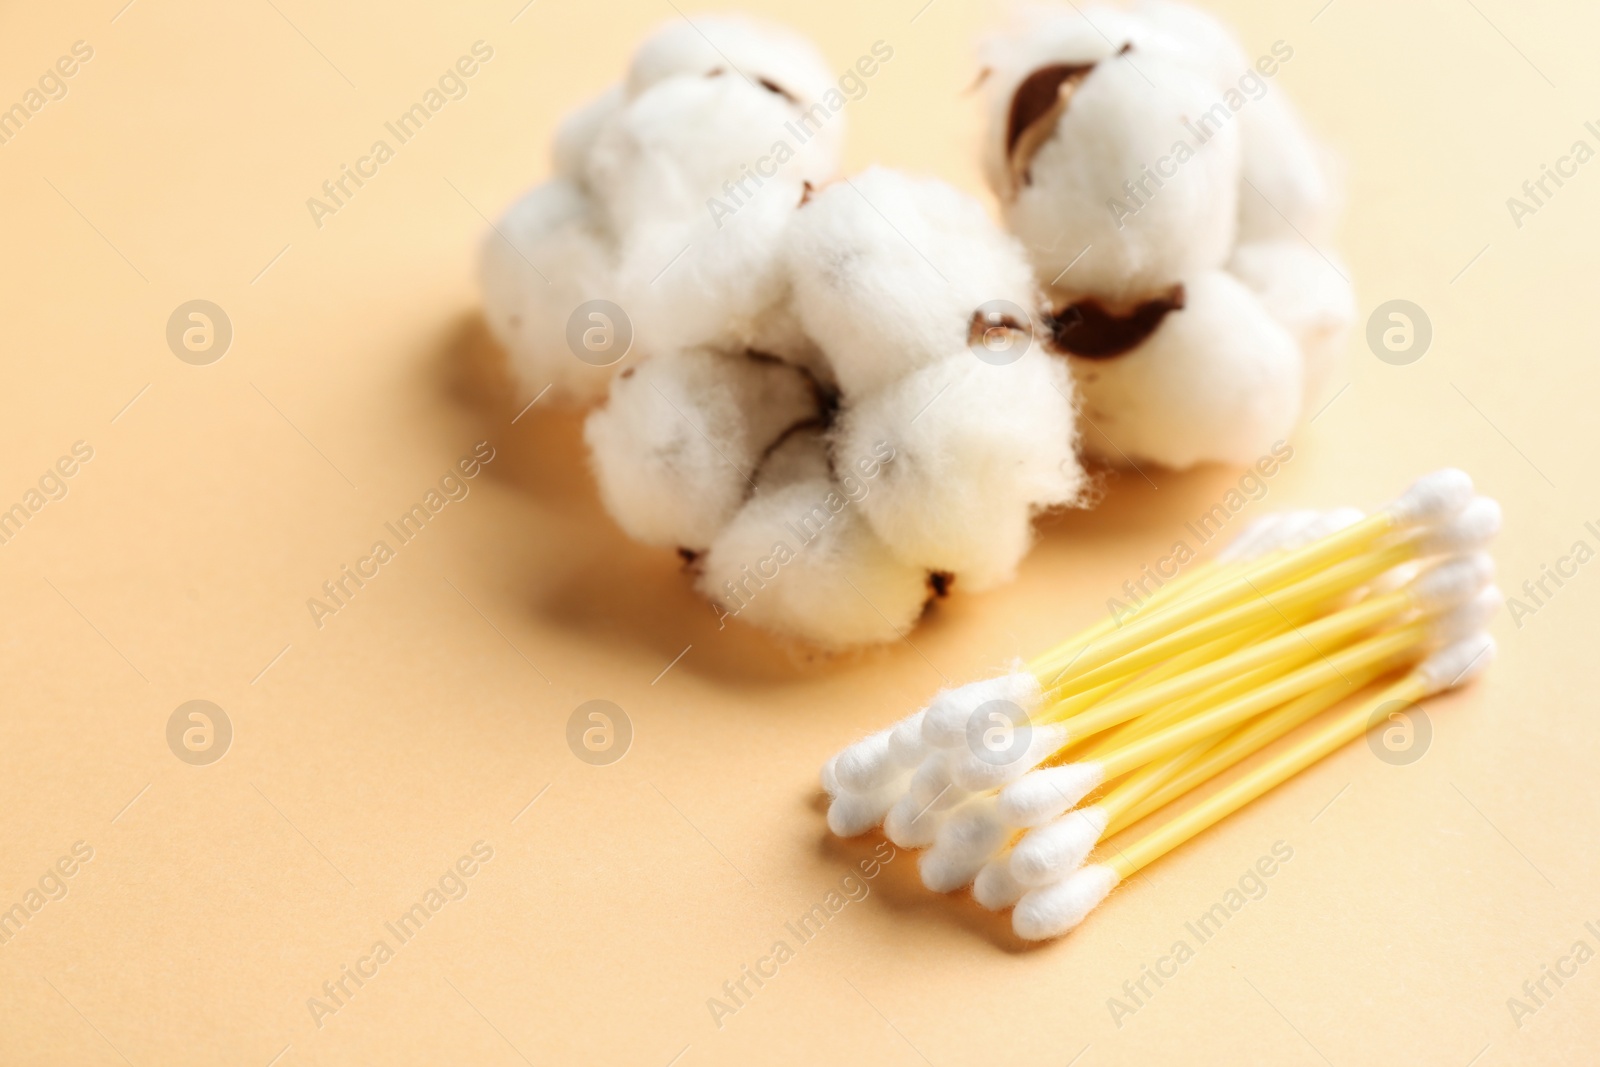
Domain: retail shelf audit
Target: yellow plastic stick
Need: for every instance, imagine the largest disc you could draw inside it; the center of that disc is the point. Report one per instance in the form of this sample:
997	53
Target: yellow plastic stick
1252	581
1336	667
1344	728
1158	784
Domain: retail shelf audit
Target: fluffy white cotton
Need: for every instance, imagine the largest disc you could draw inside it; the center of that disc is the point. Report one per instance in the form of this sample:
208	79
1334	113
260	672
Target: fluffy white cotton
1453	582
865	765
1139	238
701	233
969	838
676	447
1052	910
910	824
946	719
576	135
1040	796
995	888
1002	757
765	55
1194	38
799	560
889	269
1433	498
850	814
1051	852
979	450
1473	527
1459	663
1217	381
546	256
1288	191
932	787
1308	293
830	780
906	746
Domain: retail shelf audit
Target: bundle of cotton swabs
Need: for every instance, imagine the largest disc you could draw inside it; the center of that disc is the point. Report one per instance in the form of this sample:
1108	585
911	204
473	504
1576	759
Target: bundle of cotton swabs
1010	783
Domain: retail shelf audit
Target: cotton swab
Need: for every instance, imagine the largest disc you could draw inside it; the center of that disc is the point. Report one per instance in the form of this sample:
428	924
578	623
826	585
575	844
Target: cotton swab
1055	909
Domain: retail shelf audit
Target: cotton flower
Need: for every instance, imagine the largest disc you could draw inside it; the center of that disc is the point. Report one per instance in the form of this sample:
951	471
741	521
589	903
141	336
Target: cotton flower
1150	167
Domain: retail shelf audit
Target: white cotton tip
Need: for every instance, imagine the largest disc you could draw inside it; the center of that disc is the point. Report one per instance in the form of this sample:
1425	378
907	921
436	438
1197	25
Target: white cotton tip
1244	546
1000	755
548	255
866	765
1308	293
969	838
1052	910
1466	619
1433	497
1040	796
963	486
889	269
1118	127
830	780
799	560
1217	380
1049	853
910	824
945	722
576	135
1288	191
676	446
1452	582
1470	528
995	888
1458	663
700	232
773	58
850	814
1299	528
906	746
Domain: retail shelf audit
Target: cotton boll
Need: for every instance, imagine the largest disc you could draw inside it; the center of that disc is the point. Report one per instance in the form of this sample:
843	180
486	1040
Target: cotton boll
799	560
676	446
700	180
773	57
1193	37
1310	296
578	132
1136	184
548	255
1288	191
889	269
1217	381
978	451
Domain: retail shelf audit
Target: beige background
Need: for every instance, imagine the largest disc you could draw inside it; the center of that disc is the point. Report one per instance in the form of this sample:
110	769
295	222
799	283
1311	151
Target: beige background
370	754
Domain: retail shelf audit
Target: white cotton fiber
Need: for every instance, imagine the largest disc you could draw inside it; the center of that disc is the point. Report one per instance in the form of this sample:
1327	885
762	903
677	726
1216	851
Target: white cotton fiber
1459	663
1052	910
546	256
1133	241
995	888
799	560
1049	853
906	746
1433	498
676	447
1217	381
1469	529
764	54
1040	796
977	768
979	450
865	765
1287	190
910	824
1194	38
889	269
932	787
1308	293
946	719
576	135
966	841
850	813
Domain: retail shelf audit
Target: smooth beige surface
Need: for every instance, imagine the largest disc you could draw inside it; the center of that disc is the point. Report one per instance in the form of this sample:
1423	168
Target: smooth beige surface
371	754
